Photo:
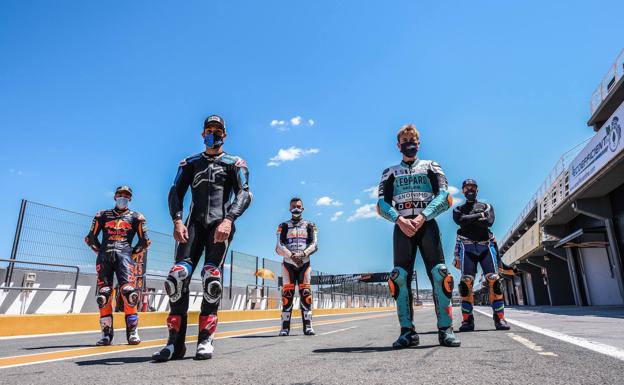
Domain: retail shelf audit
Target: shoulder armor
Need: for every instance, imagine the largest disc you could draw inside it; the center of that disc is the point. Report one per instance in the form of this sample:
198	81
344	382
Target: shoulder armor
189	159
389	171
232	159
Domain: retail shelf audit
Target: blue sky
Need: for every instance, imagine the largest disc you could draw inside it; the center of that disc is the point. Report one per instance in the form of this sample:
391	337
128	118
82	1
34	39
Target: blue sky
97	94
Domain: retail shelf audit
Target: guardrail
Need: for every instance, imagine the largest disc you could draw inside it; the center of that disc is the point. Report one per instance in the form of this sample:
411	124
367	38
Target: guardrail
257	294
559	168
615	72
73	290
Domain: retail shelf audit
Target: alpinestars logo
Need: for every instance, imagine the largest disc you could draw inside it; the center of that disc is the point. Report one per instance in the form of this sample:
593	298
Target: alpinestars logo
207	175
614	132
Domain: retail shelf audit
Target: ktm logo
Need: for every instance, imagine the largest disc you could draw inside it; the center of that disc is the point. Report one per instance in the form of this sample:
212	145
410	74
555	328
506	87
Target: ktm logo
118	225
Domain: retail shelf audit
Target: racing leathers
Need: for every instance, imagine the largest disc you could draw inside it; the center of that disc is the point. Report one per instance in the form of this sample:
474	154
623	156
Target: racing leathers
406	190
116	256
296	241
476	245
219	191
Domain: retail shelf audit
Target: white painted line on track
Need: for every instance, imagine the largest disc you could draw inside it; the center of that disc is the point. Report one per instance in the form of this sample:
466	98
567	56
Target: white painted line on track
531	345
598	347
191	340
134	348
337	331
191	324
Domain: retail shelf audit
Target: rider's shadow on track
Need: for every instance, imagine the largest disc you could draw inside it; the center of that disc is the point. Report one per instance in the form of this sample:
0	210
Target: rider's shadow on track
113	361
369	349
59	347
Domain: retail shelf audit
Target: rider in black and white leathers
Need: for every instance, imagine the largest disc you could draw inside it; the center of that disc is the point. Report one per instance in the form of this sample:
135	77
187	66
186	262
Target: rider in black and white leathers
296	241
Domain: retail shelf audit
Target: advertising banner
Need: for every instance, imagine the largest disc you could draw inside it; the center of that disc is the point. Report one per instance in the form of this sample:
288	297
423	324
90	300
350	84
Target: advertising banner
604	146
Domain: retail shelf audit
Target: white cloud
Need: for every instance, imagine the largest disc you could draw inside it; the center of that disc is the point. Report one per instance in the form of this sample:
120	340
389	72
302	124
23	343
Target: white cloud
302	182
357	201
295	121
327	201
373	191
336	215
276	122
364	212
290	154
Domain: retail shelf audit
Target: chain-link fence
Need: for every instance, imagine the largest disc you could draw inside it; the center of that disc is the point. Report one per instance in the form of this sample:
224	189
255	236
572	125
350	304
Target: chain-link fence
47	234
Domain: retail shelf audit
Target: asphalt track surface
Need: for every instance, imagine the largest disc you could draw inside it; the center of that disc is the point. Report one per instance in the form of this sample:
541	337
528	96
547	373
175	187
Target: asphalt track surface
348	349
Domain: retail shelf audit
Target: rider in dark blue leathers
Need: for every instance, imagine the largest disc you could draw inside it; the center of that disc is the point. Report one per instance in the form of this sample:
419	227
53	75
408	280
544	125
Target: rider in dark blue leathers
476	245
411	195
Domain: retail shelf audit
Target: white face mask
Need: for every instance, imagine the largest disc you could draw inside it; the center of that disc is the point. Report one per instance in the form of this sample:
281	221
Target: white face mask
296	212
122	203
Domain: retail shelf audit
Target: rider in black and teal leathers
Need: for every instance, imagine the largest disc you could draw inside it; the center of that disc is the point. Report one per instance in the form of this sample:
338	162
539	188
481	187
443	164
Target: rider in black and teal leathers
407	190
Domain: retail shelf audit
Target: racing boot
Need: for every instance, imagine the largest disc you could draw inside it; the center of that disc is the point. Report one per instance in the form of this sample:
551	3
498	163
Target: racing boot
204	348
467	324
446	337
500	323
408	338
175	348
306	316
285	324
207	327
132	332
106	323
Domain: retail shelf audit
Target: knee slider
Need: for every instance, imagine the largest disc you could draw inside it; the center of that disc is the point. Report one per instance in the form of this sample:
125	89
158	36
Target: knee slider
465	285
288	292
211	282
306	295
103	296
176	280
442	277
494	281
397	281
130	295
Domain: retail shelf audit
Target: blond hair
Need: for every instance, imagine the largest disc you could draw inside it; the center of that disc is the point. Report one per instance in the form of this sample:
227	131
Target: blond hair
408	129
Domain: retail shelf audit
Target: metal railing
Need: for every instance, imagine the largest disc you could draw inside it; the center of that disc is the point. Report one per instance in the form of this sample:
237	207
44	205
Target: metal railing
614	74
46	233
560	167
257	294
73	290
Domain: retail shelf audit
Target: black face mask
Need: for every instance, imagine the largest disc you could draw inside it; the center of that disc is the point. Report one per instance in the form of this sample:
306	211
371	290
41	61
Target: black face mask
409	149
296	212
471	195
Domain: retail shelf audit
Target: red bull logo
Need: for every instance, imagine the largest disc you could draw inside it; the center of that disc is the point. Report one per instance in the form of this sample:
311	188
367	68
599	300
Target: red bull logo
118	224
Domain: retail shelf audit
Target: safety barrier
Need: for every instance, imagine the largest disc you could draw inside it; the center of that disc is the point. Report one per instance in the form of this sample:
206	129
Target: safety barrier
36	324
26	290
45	233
